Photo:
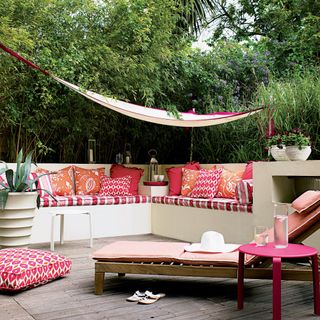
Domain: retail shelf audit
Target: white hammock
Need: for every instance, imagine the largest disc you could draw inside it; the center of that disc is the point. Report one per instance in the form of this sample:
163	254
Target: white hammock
153	115
159	116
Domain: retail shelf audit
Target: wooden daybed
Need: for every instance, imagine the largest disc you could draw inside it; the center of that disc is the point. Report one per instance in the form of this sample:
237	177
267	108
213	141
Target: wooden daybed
123	258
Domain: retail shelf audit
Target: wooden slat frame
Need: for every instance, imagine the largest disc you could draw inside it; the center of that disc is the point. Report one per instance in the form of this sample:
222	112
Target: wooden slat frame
101	267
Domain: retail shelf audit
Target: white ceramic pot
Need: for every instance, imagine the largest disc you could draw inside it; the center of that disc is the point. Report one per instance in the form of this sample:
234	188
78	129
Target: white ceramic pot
296	154
279	154
16	220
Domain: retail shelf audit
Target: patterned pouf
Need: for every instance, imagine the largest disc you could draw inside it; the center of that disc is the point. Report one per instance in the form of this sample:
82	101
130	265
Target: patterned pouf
26	268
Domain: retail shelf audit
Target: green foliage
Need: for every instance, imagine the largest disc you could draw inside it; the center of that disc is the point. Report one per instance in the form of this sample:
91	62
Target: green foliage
276	140
18	180
288	29
140	51
294	138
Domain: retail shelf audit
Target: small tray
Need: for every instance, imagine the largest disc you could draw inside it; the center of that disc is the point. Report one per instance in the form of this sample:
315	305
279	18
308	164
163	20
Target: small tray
155	183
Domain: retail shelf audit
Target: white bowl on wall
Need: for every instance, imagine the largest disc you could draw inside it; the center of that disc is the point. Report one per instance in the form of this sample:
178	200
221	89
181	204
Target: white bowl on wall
279	154
296	154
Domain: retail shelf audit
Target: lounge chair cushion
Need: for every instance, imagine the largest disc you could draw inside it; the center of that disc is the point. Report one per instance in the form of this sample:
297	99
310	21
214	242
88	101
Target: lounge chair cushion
27	268
307	200
140	251
151	251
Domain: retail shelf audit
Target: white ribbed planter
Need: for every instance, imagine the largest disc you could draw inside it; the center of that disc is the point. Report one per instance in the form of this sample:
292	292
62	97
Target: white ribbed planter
279	154
16	220
296	154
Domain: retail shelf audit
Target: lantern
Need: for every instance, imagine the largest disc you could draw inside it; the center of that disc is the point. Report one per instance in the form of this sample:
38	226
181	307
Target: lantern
92	150
153	166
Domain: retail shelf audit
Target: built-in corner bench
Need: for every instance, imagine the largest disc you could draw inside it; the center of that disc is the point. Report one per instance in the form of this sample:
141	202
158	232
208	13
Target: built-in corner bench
182	218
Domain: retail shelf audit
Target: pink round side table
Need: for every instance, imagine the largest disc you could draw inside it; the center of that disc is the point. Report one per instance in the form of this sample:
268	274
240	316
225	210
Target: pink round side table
269	251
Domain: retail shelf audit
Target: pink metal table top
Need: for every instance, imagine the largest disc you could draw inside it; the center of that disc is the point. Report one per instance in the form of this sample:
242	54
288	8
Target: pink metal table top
292	251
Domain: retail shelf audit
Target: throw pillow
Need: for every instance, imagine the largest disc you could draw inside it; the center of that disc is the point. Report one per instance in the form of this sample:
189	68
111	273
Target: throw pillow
247	174
207	184
175	177
119	171
26	268
306	201
244	191
228	183
115	187
44	182
189	178
61	181
87	181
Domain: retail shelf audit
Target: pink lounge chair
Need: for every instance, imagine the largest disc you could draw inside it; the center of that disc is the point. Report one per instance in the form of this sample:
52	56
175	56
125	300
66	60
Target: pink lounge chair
169	258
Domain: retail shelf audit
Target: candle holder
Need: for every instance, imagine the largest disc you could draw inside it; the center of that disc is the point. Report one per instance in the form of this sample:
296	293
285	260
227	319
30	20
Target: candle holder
92	150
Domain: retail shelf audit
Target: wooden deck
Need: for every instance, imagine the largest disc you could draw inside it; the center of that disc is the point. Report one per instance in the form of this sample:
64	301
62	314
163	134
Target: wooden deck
187	298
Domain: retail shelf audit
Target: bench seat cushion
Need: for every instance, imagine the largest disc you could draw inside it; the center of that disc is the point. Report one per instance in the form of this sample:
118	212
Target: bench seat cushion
26	268
157	252
91	200
225	204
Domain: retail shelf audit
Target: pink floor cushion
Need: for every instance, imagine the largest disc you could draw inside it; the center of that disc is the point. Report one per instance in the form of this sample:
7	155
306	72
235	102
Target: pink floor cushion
27	268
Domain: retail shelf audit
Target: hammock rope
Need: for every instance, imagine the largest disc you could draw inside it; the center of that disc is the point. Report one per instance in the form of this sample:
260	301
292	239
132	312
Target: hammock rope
158	116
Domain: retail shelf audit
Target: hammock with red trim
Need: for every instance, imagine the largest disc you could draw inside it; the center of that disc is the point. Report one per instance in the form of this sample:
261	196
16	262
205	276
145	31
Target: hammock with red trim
158	116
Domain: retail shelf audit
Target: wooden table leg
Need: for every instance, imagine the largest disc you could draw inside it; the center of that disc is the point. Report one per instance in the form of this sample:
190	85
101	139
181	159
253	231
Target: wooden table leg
276	288
240	280
316	295
98	282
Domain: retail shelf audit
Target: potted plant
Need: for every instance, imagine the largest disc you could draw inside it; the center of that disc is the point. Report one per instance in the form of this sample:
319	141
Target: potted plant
18	202
277	147
298	146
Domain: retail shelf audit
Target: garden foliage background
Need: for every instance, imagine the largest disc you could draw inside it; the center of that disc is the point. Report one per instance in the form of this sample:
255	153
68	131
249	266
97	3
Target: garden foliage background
263	53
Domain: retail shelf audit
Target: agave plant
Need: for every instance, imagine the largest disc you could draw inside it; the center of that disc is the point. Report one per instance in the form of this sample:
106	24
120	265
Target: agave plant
18	180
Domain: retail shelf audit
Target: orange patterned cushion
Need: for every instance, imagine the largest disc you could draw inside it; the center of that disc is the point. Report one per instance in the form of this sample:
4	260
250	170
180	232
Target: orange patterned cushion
87	180
228	183
62	182
189	178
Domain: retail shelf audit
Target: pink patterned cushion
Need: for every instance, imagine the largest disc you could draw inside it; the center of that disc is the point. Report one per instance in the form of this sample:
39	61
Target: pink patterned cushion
26	268
44	183
3	181
244	191
115	187
207	184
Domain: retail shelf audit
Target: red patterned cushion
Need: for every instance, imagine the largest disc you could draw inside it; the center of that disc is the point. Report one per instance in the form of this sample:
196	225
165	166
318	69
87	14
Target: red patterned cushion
247	174
119	171
115	187
207	184
175	177
244	191
26	268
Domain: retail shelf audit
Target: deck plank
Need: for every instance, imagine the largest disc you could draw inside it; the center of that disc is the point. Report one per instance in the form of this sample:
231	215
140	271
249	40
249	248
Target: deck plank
187	298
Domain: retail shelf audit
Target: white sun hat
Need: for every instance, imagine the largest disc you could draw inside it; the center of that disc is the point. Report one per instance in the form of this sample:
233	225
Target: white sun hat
211	242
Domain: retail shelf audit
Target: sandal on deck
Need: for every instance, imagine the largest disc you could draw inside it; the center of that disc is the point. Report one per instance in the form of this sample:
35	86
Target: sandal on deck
151	298
137	296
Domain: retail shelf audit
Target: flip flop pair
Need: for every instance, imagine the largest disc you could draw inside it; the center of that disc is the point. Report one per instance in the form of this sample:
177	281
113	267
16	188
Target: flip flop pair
146	297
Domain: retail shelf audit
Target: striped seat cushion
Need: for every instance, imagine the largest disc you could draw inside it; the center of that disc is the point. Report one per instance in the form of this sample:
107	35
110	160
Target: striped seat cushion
230	205
91	200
